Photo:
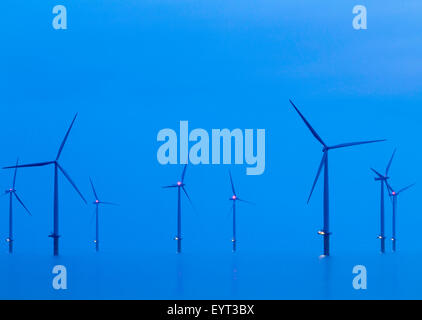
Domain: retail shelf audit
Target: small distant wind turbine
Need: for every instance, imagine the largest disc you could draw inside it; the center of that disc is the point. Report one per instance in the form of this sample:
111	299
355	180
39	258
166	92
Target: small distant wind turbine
180	185
382	178
394	194
12	192
55	235
325	232
235	198
97	203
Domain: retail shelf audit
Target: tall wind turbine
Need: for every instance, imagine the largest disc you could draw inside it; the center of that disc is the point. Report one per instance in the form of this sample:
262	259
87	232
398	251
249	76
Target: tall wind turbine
180	185
325	232
57	167
394	194
12	192
97	203
382	178
235	198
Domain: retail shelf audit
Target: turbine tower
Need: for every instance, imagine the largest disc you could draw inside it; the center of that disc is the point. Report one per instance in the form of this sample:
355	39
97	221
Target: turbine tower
57	167
382	178
12	192
180	185
394	194
97	203
235	198
325	232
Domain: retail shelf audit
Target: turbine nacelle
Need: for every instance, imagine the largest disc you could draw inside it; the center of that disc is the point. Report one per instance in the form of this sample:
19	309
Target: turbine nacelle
381	179
393	193
325	148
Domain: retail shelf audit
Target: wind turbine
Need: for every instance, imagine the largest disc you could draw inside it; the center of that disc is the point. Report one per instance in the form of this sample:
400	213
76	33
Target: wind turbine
235	198
12	192
97	204
325	232
394	194
382	178
180	185
57	167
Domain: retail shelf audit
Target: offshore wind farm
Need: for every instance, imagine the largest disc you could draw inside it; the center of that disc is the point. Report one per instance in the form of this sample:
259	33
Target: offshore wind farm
180	186
215	80
321	276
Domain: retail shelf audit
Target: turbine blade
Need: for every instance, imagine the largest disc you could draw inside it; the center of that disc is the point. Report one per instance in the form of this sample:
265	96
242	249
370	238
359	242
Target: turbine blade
350	144
314	133
109	203
65	138
93	189
390	195
231	181
16	171
390	189
71	182
389	163
377	173
190	201
183	173
39	164
187	195
171	186
405	188
317	175
21	202
246	201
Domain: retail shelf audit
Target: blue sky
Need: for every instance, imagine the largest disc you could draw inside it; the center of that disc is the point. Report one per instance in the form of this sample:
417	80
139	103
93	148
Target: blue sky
133	68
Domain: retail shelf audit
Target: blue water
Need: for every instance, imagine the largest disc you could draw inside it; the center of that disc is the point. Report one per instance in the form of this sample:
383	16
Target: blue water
223	276
133	68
